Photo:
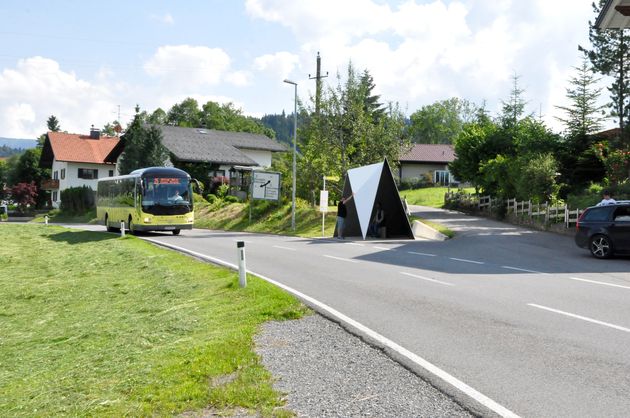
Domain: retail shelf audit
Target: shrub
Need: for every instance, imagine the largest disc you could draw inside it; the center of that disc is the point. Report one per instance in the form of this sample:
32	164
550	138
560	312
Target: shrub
415	183
230	199
212	199
24	195
77	200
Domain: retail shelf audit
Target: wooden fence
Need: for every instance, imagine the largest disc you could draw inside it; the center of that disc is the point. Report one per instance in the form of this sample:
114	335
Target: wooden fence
538	212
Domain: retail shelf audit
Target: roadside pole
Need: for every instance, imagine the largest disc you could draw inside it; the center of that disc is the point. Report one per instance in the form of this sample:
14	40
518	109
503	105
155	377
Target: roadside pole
323	204
242	271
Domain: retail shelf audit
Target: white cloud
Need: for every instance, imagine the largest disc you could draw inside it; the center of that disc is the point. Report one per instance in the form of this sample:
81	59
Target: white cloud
419	52
167	19
278	65
37	88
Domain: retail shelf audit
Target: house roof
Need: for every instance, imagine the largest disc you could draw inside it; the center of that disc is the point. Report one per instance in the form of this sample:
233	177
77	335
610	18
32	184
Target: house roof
79	148
209	145
614	15
429	153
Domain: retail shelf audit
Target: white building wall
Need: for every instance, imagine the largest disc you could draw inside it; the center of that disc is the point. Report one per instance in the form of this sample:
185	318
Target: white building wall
263	158
72	176
411	170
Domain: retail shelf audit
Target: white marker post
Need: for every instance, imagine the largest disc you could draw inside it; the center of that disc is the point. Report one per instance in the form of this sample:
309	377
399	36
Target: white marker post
46	220
122	228
242	278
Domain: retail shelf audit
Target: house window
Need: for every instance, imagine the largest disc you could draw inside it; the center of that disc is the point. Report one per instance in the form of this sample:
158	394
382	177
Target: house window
441	177
56	175
63	173
54	196
111	173
88	173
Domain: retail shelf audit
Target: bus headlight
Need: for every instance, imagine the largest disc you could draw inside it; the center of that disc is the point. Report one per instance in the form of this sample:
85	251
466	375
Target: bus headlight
147	220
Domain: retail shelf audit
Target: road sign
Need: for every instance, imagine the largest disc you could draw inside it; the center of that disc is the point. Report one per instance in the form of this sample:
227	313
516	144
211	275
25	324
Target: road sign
265	185
323	200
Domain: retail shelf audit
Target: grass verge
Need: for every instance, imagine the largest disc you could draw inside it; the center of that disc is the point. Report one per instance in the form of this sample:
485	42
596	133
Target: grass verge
95	325
428	196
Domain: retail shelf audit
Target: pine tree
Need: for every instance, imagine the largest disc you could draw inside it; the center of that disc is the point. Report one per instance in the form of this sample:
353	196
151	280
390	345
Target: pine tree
583	115
513	109
53	124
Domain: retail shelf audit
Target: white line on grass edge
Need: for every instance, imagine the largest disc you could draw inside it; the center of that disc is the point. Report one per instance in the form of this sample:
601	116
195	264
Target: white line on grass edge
430	367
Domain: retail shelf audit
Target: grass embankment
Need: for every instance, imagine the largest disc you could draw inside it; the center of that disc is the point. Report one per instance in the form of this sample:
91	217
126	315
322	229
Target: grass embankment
95	325
266	217
58	216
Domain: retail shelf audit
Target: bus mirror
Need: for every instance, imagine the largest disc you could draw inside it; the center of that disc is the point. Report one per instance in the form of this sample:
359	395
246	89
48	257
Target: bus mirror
197	186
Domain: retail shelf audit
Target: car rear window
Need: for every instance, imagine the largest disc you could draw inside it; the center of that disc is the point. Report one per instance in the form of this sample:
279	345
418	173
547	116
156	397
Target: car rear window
597	214
622	214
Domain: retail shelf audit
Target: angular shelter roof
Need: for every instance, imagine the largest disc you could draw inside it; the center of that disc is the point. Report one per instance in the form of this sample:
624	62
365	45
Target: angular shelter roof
209	145
429	153
63	146
371	184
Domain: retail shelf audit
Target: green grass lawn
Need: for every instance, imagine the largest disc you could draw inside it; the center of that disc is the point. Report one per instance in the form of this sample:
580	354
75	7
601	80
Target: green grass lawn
97	325
429	196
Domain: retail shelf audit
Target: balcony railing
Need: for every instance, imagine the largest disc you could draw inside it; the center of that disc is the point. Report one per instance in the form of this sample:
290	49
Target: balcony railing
50	184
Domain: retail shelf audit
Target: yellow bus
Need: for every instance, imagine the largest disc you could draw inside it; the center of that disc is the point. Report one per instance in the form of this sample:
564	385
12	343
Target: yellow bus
148	199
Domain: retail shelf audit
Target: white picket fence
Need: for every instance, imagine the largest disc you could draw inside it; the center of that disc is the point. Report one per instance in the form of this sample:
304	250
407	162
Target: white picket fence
541	212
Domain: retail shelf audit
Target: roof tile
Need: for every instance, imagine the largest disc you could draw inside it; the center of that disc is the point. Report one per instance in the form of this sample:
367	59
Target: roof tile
81	148
430	153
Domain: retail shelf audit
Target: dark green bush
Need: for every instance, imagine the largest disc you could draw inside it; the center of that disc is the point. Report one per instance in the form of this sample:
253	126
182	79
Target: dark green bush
230	199
415	183
212	198
77	200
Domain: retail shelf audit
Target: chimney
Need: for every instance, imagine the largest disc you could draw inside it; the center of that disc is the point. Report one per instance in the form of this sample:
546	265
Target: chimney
95	133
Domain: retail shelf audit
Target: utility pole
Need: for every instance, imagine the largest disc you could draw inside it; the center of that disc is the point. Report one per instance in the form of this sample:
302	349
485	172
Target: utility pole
318	83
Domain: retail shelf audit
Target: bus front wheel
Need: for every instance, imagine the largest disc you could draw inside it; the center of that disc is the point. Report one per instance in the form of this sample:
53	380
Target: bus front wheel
176	231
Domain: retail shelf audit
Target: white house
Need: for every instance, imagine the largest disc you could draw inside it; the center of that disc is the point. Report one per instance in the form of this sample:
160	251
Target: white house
428	160
78	160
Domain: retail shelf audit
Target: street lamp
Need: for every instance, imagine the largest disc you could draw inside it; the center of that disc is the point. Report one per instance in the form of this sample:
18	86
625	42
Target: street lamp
294	150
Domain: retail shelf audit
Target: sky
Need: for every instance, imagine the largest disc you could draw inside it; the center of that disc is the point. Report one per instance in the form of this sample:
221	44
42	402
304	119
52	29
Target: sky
87	62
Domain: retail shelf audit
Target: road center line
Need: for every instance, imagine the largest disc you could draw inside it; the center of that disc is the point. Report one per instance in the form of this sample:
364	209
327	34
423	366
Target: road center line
601	283
525	270
427	279
425	254
416	359
341	259
583	318
284	248
466	261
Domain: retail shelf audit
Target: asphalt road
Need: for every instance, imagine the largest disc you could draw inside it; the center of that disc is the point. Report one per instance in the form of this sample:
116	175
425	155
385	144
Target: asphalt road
523	317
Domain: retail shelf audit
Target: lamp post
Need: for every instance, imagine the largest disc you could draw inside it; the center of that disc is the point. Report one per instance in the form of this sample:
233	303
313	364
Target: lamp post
294	150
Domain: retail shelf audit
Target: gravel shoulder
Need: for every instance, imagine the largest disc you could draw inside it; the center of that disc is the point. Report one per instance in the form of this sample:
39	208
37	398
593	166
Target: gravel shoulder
327	372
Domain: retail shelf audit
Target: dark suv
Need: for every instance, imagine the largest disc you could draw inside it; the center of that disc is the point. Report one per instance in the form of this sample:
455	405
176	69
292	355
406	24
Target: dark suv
605	230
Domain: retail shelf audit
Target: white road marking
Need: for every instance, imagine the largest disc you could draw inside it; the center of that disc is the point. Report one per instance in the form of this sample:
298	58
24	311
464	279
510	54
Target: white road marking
467	261
583	318
427	279
385	248
284	248
601	283
525	270
429	367
425	254
356	243
341	259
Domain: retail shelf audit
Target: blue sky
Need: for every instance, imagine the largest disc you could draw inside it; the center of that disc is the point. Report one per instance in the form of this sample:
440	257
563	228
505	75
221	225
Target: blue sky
80	60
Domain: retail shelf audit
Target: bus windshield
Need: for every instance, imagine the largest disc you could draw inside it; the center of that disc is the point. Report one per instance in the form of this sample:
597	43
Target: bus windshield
166	191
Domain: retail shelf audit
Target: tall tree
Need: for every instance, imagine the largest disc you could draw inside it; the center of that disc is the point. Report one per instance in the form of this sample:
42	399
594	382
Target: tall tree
53	124
514	108
609	56
584	115
143	146
440	122
186	114
158	117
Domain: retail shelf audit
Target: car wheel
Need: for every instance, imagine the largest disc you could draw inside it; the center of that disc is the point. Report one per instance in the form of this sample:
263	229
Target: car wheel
601	246
176	231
